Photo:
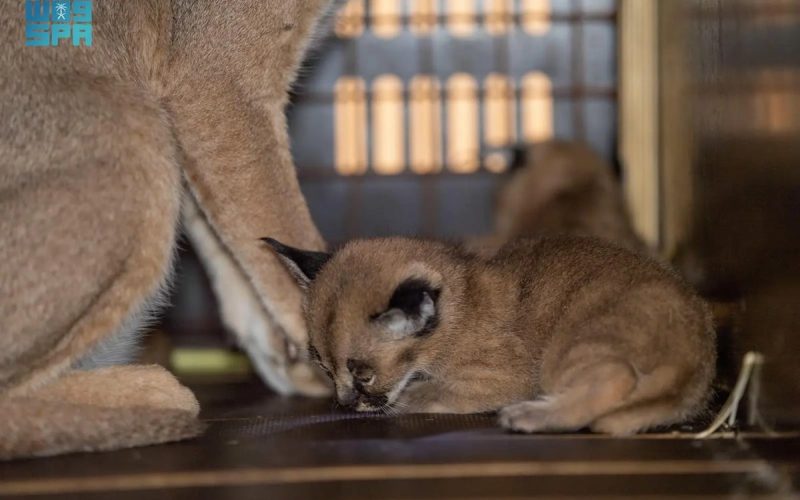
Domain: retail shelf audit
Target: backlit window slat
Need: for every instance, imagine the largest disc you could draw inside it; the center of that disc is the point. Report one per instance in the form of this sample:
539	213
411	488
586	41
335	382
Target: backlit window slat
388	131
350	20
537	107
350	127
498	16
536	16
462	124
425	128
461	16
423	16
499	120
386	17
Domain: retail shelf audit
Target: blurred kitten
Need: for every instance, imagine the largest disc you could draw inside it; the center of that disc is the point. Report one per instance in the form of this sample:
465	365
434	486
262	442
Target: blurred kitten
560	187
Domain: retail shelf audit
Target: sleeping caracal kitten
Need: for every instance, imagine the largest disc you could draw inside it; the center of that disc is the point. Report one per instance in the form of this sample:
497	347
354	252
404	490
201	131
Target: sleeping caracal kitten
560	333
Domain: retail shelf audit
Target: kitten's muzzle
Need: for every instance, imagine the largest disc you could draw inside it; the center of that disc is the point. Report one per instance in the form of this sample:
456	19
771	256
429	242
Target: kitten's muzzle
368	402
360	400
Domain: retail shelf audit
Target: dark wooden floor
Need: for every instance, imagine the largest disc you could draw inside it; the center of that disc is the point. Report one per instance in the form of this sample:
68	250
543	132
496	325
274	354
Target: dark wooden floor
267	447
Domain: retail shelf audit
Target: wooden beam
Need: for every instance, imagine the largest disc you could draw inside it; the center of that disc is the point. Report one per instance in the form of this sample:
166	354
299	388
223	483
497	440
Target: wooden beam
639	114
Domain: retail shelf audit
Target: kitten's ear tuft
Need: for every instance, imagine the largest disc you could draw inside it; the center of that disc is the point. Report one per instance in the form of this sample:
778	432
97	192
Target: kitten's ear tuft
412	310
304	265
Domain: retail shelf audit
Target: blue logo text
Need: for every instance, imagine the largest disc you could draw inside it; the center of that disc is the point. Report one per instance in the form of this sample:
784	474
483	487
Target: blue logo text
47	22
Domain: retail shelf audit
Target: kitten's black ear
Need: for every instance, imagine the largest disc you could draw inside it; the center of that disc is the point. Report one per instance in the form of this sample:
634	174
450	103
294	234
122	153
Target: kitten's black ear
302	264
412	310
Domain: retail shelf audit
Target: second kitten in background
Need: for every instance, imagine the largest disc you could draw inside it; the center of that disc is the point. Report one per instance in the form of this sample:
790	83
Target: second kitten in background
557	188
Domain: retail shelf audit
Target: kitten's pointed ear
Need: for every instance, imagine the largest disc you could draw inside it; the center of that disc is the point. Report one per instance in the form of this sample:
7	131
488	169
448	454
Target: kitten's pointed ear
302	264
412	310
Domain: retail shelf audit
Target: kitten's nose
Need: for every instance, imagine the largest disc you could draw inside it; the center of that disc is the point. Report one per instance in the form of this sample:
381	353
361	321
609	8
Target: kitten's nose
347	397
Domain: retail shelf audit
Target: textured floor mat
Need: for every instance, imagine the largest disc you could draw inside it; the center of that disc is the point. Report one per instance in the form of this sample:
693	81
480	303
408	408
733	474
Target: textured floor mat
264	446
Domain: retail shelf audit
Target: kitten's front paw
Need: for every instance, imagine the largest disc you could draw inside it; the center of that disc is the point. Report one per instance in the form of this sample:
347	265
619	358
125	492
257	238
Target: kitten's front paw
528	416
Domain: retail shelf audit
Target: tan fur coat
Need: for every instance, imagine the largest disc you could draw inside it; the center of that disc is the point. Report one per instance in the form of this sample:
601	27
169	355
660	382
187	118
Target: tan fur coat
175	111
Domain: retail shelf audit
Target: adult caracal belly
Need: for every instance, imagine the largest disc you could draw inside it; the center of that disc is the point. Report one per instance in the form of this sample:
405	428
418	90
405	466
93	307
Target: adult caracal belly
175	102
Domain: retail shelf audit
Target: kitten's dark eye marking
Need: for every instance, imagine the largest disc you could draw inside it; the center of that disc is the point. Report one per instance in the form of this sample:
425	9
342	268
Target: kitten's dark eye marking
412	309
409	295
430	326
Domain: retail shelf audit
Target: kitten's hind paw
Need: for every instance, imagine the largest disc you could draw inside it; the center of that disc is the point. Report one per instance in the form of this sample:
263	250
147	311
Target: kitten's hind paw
528	416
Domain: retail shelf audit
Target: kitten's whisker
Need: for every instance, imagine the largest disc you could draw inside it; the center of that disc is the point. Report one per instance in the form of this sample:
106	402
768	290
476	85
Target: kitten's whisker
396	408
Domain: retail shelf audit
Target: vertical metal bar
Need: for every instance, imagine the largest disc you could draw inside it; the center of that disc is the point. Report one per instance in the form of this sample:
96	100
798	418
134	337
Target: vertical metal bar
577	69
352	211
429	183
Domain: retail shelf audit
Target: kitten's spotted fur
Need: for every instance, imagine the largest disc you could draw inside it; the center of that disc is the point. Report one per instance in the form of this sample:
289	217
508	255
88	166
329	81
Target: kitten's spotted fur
560	333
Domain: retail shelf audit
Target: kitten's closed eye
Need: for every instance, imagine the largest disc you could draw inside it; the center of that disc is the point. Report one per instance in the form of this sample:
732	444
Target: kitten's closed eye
419	377
313	354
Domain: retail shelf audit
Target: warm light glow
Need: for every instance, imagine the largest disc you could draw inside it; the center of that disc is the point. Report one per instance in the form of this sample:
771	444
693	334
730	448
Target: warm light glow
423	16
426	124
778	106
462	124
496	162
386	17
498	16
499	120
537	107
350	126
350	20
388	134
536	16
461	17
